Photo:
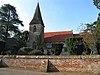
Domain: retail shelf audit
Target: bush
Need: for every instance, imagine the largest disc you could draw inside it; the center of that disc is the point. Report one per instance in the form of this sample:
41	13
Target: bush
2	45
57	48
24	50
75	45
36	52
29	51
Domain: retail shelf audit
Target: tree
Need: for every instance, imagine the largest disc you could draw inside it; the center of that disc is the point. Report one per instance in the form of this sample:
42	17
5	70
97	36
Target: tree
9	20
97	30
22	38
89	39
92	31
97	3
97	34
97	23
92	35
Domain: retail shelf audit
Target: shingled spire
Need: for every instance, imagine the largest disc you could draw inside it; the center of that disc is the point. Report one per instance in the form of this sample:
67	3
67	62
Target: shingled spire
37	19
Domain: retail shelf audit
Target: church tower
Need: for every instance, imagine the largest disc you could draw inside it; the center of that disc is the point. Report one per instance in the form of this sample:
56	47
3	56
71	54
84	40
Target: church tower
36	29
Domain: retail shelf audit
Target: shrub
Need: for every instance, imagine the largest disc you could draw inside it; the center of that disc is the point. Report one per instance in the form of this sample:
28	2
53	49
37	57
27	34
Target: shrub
29	51
24	50
2	45
36	52
57	48
75	45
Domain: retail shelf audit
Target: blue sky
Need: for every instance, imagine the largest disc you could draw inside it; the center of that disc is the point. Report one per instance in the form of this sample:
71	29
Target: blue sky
58	15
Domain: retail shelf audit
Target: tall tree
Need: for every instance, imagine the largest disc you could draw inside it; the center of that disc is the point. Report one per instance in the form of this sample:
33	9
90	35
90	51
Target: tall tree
9	20
94	29
97	3
89	36
93	34
97	30
22	38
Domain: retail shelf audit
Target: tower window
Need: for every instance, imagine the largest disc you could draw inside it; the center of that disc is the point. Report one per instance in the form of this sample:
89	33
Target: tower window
34	29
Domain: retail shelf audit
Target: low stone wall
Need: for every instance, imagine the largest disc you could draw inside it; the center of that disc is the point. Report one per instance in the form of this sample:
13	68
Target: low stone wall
54	63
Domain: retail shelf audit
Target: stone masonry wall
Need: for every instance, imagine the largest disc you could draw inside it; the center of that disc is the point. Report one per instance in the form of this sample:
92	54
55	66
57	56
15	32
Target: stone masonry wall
54	63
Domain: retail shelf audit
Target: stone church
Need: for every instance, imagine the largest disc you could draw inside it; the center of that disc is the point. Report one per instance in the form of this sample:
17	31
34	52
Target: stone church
36	30
37	35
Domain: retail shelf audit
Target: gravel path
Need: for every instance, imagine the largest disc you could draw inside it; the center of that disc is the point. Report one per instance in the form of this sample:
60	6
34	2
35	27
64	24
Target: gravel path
9	71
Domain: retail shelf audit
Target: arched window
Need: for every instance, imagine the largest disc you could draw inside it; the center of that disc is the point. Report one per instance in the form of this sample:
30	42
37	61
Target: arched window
34	29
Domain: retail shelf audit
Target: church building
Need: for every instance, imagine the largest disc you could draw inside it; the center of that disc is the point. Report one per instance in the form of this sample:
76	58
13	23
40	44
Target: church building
36	29
37	34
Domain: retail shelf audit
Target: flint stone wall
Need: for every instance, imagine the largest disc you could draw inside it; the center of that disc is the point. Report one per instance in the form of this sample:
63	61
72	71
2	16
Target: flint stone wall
55	63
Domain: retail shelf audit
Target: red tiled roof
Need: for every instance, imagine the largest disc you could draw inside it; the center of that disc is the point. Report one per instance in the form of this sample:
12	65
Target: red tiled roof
57	36
84	33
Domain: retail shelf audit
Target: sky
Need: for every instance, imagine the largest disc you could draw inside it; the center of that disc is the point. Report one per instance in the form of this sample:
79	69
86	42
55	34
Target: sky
57	15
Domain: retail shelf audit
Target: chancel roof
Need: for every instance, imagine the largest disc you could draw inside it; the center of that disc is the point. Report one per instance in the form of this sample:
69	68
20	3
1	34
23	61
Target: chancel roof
57	36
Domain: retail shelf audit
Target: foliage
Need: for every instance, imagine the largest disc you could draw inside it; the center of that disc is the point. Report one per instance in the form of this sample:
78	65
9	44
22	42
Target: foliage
58	43
97	3
89	40
89	35
11	46
22	38
24	35
24	50
93	30
97	34
1	40
29	51
75	45
36	52
97	31
9	20
57	48
69	45
2	45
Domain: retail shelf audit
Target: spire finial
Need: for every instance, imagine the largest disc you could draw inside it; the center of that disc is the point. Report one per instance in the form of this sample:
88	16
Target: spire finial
37	2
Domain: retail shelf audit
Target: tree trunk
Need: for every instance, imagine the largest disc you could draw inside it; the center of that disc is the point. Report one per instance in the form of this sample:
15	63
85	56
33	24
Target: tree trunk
7	27
6	35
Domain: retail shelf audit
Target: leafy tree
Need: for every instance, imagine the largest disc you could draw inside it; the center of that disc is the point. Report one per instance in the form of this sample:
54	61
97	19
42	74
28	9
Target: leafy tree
97	3
9	20
2	45
97	34
97	23
22	38
97	30
75	45
29	51
92	35
89	40
92	31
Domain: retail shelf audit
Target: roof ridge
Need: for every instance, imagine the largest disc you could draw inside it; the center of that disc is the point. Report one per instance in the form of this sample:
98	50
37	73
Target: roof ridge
58	32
